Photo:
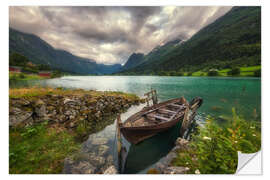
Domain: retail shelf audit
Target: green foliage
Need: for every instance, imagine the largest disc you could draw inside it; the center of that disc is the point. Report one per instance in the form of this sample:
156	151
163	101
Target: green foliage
189	74
234	71
39	149
21	75
232	40
214	149
40	52
212	72
257	73
16	59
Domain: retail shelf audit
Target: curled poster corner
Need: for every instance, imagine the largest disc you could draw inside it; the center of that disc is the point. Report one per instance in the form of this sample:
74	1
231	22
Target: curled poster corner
249	163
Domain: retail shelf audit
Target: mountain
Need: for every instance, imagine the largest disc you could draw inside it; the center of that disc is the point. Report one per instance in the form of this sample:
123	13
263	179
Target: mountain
138	58
232	40
133	60
40	52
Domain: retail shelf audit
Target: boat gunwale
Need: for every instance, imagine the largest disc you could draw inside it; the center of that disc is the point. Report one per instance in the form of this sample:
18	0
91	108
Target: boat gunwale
134	116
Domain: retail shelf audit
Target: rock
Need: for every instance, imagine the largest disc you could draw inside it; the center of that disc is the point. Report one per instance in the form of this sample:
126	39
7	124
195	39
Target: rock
72	125
181	143
78	167
15	111
111	170
109	160
97	160
153	171
98	114
40	108
103	149
99	141
39	102
67	100
175	170
23	117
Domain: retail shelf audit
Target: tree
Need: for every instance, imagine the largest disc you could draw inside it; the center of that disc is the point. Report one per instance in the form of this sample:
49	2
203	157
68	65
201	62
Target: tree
257	73
16	59
212	72
234	71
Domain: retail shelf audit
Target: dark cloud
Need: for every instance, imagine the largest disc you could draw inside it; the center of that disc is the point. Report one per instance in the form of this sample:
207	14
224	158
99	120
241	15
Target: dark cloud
110	34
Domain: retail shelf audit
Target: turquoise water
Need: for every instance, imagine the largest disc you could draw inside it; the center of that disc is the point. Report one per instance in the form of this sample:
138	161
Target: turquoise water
220	95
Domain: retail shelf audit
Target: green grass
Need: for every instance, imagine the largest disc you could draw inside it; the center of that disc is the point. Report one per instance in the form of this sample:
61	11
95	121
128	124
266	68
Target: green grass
250	68
244	71
213	150
24	76
42	91
39	149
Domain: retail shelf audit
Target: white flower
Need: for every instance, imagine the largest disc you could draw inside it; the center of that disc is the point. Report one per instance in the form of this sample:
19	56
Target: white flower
197	171
252	127
206	138
236	141
253	134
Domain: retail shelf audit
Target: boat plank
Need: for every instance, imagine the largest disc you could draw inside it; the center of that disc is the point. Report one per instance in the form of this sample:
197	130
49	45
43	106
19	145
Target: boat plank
176	105
167	111
158	117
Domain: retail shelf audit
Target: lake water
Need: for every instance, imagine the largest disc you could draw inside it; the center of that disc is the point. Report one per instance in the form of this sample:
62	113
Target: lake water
220	95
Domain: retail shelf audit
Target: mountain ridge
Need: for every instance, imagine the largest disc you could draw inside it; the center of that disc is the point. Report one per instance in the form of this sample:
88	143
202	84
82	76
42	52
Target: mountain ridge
40	52
232	40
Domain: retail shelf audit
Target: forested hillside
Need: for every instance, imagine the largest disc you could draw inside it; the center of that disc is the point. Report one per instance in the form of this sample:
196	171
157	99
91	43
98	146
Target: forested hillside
232	40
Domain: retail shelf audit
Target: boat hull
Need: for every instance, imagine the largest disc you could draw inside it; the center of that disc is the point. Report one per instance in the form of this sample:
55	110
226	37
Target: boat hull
138	134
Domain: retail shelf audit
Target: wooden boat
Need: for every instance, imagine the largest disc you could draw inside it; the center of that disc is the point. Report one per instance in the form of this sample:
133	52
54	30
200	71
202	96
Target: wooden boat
154	119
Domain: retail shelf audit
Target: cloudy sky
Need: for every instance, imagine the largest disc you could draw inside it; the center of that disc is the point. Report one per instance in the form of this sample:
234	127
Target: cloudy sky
110	34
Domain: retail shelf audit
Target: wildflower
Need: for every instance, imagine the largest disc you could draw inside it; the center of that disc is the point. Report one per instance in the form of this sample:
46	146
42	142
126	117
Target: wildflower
254	135
197	171
206	138
236	141
252	127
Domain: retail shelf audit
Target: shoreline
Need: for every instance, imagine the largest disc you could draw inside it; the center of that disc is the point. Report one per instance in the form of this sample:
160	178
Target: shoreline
73	113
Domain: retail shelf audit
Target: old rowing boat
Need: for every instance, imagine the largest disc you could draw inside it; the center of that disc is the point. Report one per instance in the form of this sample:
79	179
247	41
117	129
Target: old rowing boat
154	119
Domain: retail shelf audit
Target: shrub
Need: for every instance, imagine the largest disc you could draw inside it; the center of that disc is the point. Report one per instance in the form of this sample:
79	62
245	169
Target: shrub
189	73
257	73
21	76
234	71
180	74
212	72
214	149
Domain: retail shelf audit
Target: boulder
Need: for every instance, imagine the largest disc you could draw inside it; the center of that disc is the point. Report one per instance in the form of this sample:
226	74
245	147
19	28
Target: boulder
103	149
111	170
79	167
175	170
40	108
99	141
23	117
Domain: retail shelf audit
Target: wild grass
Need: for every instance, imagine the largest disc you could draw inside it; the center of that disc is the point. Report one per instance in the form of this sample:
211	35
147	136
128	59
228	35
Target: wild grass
42	91
244	72
214	149
39	149
24	76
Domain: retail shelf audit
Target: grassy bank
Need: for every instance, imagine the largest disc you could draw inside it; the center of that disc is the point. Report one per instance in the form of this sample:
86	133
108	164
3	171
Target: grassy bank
42	147
244	72
213	150
24	76
250	71
39	149
42	91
